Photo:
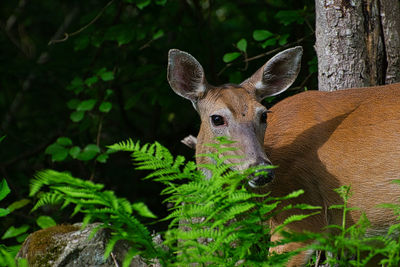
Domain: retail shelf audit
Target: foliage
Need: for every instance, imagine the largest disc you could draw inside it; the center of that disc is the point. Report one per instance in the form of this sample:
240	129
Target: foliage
220	210
7	253
348	245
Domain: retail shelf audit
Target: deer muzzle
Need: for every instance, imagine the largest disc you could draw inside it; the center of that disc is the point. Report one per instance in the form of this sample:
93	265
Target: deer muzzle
261	177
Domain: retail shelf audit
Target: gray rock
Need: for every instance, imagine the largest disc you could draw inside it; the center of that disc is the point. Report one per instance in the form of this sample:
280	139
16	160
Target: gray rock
69	245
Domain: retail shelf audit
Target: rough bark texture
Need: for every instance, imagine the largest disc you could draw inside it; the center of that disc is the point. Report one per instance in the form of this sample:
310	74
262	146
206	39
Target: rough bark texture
390	18
357	43
69	245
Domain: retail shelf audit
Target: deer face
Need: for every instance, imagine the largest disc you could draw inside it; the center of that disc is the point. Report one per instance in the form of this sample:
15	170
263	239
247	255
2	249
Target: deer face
234	111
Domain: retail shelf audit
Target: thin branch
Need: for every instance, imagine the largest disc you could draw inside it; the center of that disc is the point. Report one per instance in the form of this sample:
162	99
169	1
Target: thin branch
13	18
273	51
280	48
67	35
99	129
9	24
114	259
29	153
303	83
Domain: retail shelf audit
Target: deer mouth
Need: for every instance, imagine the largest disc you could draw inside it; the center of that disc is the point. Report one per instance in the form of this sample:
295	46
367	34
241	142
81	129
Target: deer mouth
261	178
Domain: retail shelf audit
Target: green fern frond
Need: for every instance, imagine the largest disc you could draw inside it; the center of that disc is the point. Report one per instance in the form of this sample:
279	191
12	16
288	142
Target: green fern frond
293	218
128	145
51	198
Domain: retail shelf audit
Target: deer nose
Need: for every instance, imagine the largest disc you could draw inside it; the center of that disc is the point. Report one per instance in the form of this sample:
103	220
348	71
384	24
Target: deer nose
261	178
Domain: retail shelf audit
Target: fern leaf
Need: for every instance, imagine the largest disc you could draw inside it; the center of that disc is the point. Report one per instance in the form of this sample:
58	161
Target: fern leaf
48	199
293	218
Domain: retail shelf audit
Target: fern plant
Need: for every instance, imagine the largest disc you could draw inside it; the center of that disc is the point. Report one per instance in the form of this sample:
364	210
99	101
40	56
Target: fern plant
215	220
348	245
212	221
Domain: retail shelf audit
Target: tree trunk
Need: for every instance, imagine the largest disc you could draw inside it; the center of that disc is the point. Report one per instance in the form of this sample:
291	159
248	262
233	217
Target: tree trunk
357	43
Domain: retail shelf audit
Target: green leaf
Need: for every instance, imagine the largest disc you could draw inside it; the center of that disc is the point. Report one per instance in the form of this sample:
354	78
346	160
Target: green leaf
81	42
109	92
142	3
4	212
64	141
161	2
228	57
45	222
242	45
4	189
86	105
21	239
121	33
235	77
77	116
73	103
2	138
283	39
91	80
102	158
107	76
13	232
313	65
89	152
269	42
287	17
143	210
18	204
105	107
74	151
57	152
76	85
261	35
158	34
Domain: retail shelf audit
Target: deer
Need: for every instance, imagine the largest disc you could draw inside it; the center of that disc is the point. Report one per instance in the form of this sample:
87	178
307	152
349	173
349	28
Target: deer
319	140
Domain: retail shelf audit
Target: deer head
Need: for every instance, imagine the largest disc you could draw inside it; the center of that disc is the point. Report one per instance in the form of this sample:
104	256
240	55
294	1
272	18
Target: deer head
234	110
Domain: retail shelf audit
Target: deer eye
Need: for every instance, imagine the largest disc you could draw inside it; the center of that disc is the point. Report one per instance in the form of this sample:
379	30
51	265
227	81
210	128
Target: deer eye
217	120
263	117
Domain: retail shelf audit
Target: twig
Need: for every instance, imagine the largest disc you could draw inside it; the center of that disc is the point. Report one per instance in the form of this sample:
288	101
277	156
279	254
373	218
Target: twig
273	51
279	48
303	83
114	259
7	26
67	35
13	18
318	258
224	68
99	128
29	153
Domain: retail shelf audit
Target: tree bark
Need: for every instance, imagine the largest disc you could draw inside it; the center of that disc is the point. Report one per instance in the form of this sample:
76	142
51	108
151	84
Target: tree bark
357	43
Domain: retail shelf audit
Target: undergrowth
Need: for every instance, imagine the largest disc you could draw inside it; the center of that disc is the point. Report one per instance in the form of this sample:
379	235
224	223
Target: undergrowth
214	221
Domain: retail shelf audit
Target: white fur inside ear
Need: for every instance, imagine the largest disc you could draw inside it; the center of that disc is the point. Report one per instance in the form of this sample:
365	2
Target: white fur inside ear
259	85
200	89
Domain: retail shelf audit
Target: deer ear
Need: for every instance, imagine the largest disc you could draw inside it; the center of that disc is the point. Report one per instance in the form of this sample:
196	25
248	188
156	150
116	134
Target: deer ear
276	75
186	75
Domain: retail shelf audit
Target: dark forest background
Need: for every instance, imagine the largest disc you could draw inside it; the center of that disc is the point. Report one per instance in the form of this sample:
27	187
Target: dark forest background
65	97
